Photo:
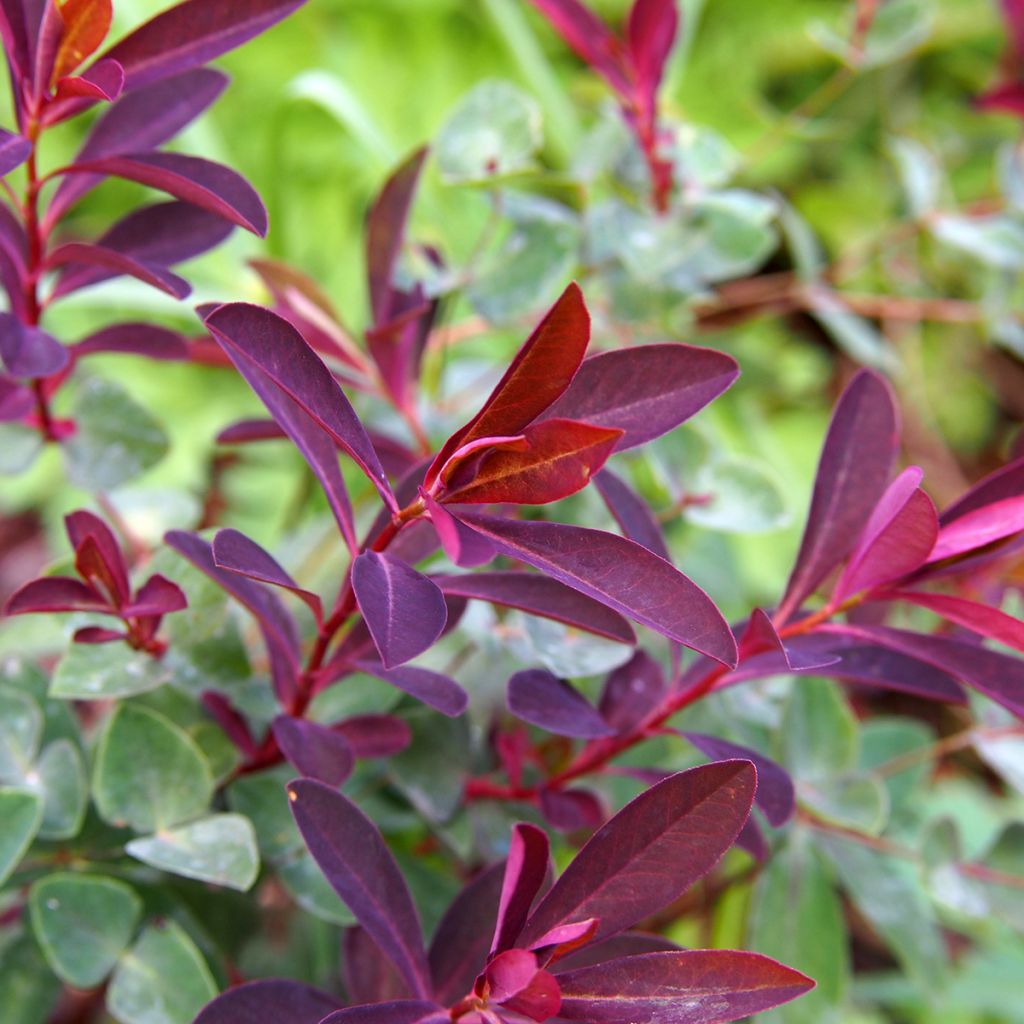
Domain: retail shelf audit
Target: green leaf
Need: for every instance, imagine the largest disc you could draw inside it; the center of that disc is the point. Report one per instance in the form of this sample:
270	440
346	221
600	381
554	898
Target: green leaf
83	923
798	919
883	740
431	784
494	131
162	979
59	777
854	801
818	736
262	799
307	885
115	441
857	337
102	671
21	813
20	446
21	727
703	158
737	496
220	849
920	174
149	774
994	239
567	652
27	991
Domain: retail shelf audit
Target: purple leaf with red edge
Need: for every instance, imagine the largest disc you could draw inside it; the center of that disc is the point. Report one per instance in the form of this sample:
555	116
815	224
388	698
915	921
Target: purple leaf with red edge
279	351
55	594
403	609
635	519
979	528
695	986
397	346
853	473
462	939
369	975
401	1011
526	870
108	564
897	539
112	263
592	40
540	372
358	864
650	33
542	699
540	595
752	839
157	596
237	553
618	573
103	81
14	151
207	185
29	351
268	1002
134	339
465	547
775	793
972	615
631	692
432	688
316	751
513	980
569	810
645	391
375	735
761	636
647	855
551	461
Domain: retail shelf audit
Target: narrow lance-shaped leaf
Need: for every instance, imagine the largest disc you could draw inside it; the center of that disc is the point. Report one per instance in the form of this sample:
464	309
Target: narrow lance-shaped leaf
55	594
853	472
542	699
261	1002
134	339
979	527
465	547
761	636
354	857
317	751
112	263
635	519
651	851
526	870
434	689
697	986
14	151
972	615
650	33
401	1011
368	974
618	573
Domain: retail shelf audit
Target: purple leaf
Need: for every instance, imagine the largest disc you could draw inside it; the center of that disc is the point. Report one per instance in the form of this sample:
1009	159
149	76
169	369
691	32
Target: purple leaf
651	851
97	635
192	179
368	974
375	735
465	547
619	573
650	33
29	351
55	594
645	391
462	939
237	553
775	793
569	810
112	263
248	431
278	351
751	839
631	512
761	636
543	596
16	400
631	692
268	1002
514	981
103	81
979	527
235	727
696	986
542	699
1007	482
15	34
625	944
134	339
358	864
316	751
401	1011
897	539
14	151
526	870
157	596
141	120
432	688
404	610
853	472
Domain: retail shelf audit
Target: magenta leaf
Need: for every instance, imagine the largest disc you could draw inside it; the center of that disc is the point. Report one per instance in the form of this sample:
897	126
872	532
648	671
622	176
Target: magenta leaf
375	735
249	431
16	400
775	793
569	810
55	594
631	512
157	596
432	688
268	1002
650	33
645	391
698	986
631	692
237	553
316	751
401	1011
542	699
357	862
973	615
513	980
134	339
761	636
462	939
404	610
278	351
979	527
114	263
526	870
14	151
620	574
1007	482
103	81
235	727
29	351
107	566
655	848
465	547
853	473
543	596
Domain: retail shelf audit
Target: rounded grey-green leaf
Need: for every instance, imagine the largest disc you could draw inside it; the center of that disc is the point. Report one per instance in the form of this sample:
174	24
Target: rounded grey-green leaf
59	777
83	924
27	991
737	496
162	979
21	726
21	813
150	775
220	849
102	671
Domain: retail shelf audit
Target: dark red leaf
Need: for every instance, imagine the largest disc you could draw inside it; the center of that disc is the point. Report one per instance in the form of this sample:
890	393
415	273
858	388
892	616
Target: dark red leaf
268	1002
972	615
316	751
979	528
569	810
108	564
631	692
1007	482
542	699
625	944
157	596
526	870
55	594
650	33
134	339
